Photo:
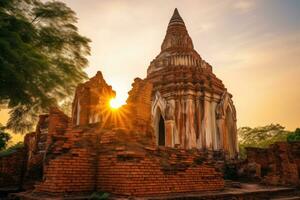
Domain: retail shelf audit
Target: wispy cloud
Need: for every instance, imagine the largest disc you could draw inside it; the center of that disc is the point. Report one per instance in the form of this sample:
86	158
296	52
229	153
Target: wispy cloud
244	6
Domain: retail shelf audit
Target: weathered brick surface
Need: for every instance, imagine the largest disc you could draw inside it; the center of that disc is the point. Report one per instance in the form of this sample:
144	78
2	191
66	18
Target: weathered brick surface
122	162
127	167
91	101
72	172
139	106
11	168
34	160
277	165
146	176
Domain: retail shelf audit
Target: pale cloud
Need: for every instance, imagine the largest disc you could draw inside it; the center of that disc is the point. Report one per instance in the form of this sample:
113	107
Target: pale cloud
205	27
244	5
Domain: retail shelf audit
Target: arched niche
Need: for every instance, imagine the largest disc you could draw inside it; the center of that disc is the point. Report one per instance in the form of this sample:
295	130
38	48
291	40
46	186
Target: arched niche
158	119
161	132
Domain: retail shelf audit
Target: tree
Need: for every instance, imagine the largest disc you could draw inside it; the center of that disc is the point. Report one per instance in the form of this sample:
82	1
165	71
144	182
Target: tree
42	57
294	136
4	138
260	137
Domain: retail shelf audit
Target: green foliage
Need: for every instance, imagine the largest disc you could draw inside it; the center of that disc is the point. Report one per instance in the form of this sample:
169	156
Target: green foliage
260	137
294	136
11	149
4	138
42	57
99	196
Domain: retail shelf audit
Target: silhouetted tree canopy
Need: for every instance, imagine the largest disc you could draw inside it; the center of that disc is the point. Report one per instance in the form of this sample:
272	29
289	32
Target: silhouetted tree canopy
4	137
260	137
42	57
294	136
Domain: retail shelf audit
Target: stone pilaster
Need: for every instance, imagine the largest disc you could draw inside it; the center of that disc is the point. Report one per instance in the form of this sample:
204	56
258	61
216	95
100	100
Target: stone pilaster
207	122
169	131
198	115
190	123
214	126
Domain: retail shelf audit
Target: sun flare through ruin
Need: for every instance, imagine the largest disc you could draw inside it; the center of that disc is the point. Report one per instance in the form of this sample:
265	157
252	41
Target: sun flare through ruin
116	103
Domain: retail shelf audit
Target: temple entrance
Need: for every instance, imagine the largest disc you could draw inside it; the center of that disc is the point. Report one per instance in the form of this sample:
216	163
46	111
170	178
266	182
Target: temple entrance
161	132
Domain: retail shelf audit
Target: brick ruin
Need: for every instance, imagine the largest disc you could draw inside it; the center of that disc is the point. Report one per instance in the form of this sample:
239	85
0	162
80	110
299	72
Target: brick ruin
175	130
116	153
277	165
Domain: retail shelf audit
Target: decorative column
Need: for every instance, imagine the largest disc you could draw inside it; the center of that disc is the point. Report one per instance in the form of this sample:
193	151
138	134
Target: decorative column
198	114
169	131
207	122
170	123
221	131
214	126
190	122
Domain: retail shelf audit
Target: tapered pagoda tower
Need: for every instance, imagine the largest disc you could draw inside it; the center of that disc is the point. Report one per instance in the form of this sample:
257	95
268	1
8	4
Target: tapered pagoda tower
191	107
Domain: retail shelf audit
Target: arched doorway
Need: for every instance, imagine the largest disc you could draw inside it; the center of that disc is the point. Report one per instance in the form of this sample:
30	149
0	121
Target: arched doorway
161	132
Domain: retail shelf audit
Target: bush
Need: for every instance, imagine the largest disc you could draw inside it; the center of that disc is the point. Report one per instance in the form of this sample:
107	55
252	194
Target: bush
295	136
11	149
4	137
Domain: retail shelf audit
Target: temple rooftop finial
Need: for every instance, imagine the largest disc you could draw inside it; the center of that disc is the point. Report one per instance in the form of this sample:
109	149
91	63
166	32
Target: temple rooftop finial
176	18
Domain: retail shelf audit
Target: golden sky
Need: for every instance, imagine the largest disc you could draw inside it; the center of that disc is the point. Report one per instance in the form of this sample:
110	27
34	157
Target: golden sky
253	46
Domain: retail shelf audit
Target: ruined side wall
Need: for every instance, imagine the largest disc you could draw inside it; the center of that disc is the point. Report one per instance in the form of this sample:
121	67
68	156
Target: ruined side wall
129	168
71	172
120	164
138	107
258	156
69	165
91	101
277	165
11	168
34	161
145	176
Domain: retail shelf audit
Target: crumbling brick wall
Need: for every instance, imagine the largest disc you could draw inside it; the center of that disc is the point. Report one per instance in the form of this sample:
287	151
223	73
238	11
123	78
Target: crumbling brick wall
121	157
122	162
70	172
277	165
129	168
34	161
139	175
11	168
69	165
91	101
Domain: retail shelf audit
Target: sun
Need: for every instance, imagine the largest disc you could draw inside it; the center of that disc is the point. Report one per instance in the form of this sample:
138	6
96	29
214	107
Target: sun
115	103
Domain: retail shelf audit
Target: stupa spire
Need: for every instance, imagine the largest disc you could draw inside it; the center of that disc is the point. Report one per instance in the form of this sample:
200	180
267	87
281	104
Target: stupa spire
177	35
176	18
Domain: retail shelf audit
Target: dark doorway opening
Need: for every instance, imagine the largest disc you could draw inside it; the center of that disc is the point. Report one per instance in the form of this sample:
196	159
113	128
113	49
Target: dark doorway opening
161	132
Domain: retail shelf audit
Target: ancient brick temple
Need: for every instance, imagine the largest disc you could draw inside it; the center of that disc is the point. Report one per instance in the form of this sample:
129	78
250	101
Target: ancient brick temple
170	137
190	105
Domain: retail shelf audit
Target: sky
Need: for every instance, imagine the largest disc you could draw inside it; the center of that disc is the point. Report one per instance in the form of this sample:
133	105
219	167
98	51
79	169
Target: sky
253	46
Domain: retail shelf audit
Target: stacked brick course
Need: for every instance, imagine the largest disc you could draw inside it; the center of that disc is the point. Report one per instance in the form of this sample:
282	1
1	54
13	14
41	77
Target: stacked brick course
277	165
132	173
11	168
72	172
125	163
